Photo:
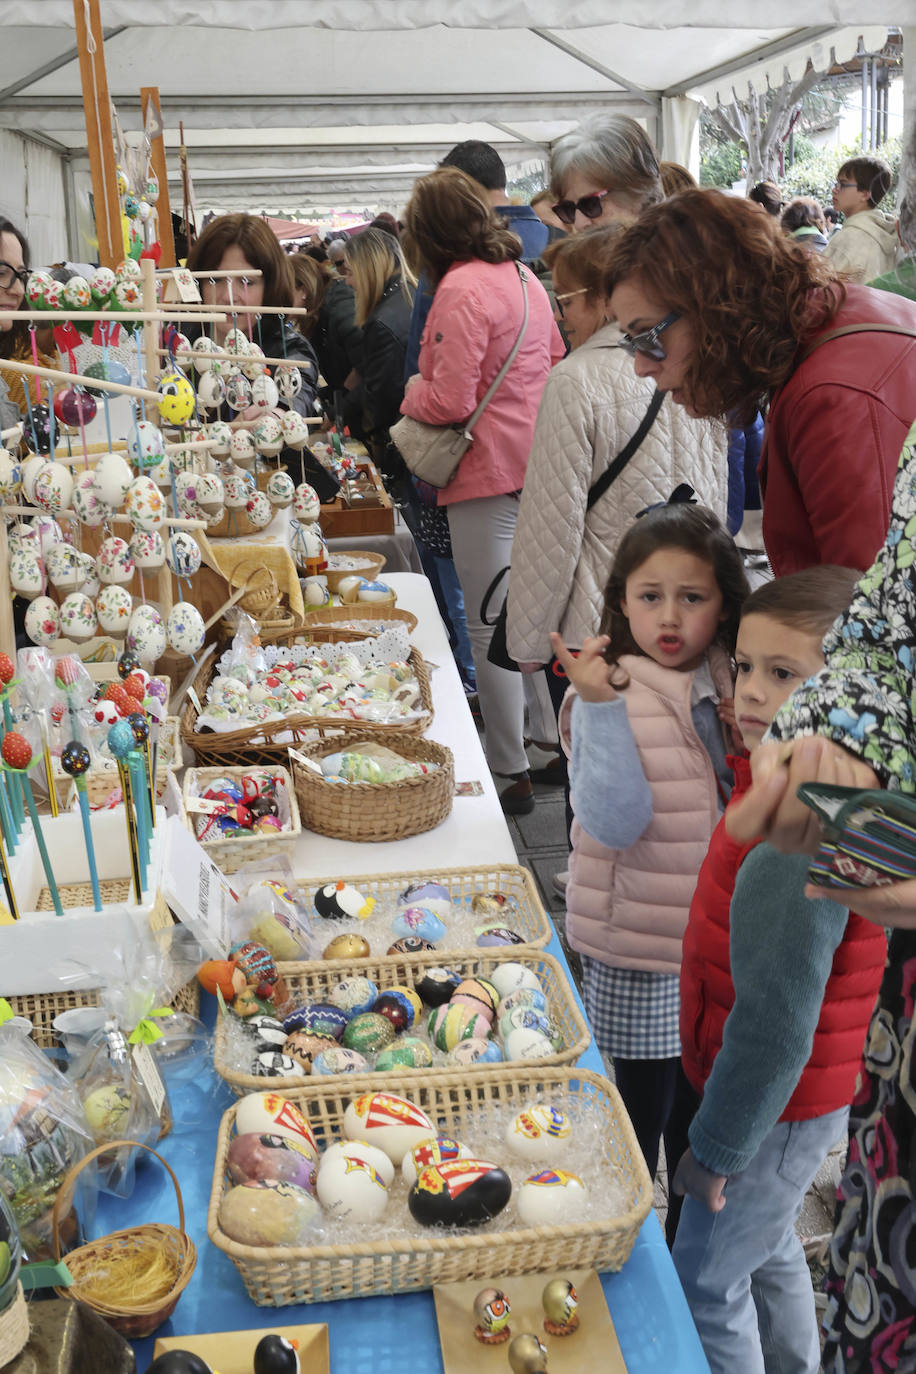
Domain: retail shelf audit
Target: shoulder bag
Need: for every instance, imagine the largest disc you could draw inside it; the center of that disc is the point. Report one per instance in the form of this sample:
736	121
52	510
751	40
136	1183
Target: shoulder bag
433	452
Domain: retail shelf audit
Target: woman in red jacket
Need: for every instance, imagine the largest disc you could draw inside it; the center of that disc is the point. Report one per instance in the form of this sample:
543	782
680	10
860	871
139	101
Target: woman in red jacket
722	311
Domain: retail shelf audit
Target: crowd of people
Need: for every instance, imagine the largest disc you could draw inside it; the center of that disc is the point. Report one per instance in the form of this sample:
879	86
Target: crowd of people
647	364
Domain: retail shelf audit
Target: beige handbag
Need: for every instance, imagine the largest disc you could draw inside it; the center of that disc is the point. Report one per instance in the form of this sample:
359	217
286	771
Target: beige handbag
433	452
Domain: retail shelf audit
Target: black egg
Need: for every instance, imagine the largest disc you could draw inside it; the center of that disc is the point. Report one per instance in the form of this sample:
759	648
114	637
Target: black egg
437	985
179	1362
37	429
459	1192
127	663
275	1355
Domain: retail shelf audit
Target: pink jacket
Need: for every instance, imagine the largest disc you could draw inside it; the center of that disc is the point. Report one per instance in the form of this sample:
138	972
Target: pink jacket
472	324
629	907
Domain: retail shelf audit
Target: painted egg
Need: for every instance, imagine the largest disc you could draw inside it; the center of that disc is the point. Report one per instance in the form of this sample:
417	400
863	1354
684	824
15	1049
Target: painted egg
306	505
440	1149
410	944
113	562
289	382
77	293
268	435
36	286
112	479
510	976
295	430
322	1018
492	903
361	1149
527	1354
176	398
550	1197
111	371
478	993
436	985
263	392
114	606
539	1133
303	1046
521	997
275	1115
147	549
42	621
419	920
253	365
146	444
526	1018
350	1187
492	1310
182	553
315	591
220	435
63	567
77	617
468	1052
101	284
275	1064
145	505
339	1060
347	947
372	592
181	348
493	936
280	490
74	406
459	1192
266	1212
48	532
237	390
431	895
238	487
127	295
146	634
394	1124
203	345
527	1043
397	1008
353	995
271	1156
184	628
347	587
30	470
368	1032
53	488
242	449
407	1052
105	713
337	900
10	475
200	495
128	270
259	510
449	1024
236	341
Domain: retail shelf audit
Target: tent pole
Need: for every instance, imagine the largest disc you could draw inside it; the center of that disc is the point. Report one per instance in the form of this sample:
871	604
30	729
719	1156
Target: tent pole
97	105
149	96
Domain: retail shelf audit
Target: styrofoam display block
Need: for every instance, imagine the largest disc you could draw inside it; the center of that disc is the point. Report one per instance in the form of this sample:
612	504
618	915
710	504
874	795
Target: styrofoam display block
44	952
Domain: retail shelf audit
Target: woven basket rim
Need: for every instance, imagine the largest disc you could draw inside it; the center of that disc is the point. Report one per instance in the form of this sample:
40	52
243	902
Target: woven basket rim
320	616
428	748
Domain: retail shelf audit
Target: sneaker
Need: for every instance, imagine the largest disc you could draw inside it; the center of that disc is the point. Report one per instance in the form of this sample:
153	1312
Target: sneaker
468	682
516	795
558	883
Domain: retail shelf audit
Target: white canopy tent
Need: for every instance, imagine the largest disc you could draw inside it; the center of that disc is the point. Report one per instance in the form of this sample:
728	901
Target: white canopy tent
300	107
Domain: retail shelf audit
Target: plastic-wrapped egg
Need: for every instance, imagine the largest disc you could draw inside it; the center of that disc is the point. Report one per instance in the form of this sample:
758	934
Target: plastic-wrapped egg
101	284
268	435
350	1187
146	634
147	549
280	490
87	506
263	392
113	607
184	628
551	1197
242	449
112	479
394	1124
146	444
362	1150
176	398
113	562
53	488
437	1150
145	505
26	578
259	510
182	553
77	617
267	1212
63	567
295	430
220	436
275	1115
308	548
539	1134
42	621
306	505
211	391
203	345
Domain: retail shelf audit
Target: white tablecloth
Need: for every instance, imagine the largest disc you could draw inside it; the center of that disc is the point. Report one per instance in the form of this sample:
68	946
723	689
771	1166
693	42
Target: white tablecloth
475	832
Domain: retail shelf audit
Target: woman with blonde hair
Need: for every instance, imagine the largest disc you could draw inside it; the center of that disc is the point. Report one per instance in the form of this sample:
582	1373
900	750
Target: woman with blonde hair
484	302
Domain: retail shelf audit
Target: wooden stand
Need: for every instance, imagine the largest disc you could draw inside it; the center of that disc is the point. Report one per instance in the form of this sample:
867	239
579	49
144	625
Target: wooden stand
149	96
90	42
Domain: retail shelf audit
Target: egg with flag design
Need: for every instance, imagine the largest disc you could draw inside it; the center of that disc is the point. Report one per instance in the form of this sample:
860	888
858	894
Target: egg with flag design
459	1192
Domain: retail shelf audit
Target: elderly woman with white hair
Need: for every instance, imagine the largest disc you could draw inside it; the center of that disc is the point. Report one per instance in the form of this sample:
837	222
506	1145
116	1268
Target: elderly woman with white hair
605	169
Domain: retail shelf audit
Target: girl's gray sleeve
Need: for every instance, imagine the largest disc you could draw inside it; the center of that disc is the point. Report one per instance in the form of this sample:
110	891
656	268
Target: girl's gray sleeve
610	795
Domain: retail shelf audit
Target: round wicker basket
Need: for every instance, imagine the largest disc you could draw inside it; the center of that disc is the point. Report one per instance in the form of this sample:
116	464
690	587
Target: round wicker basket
138	1316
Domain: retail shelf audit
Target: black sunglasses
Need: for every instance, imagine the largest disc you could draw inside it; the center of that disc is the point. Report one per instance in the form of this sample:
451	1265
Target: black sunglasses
647	342
590	206
9	274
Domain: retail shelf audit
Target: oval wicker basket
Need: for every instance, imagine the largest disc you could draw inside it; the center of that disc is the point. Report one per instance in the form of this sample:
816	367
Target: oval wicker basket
141	1317
337	619
375	811
370	565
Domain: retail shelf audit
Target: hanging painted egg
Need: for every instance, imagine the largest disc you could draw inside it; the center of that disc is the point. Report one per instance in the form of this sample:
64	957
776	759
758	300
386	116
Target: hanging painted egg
211	391
220	436
242	449
306	505
147	549
184	628
10	475
253	365
114	606
203	345
36	430
112	479
238	487
289	382
236	341
26	577
146	634
295	430
259	510
264	393
77	617
177	400
268	435
238	391
182	554
280	490
63	567
53	488
88	508
74	406
146	444
42	621
113	562
145	505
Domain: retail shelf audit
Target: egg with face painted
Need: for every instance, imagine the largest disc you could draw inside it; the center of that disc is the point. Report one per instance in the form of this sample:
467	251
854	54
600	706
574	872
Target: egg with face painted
182	554
339	1060
263	1155
550	1197
394	1124
176	398
336	901
459	1192
289	382
353	995
237	390
350	1188
419	920
475	1051
409	944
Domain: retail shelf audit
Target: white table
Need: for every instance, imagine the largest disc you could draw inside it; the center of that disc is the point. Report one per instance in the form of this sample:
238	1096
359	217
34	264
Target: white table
475	831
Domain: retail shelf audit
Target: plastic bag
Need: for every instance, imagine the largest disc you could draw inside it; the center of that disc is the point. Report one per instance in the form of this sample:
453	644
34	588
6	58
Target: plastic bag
272	911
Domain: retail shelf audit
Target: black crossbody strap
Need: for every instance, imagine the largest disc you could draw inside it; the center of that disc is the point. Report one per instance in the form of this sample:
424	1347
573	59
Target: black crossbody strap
597	490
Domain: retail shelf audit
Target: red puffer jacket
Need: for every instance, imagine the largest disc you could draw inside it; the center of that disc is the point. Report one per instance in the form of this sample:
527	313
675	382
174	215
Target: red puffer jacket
707	995
834	434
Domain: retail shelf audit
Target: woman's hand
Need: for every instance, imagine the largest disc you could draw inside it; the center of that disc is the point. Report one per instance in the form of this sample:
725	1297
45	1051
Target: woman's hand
892	905
771	810
694	1180
587	671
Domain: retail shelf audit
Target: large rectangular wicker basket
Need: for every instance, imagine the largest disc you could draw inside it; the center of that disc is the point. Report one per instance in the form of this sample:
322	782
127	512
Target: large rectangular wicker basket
312	982
283	1275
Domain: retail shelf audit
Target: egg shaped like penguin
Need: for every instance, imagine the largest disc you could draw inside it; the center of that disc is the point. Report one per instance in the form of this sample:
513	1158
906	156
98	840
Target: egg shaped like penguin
340	900
179	1362
461	1192
276	1355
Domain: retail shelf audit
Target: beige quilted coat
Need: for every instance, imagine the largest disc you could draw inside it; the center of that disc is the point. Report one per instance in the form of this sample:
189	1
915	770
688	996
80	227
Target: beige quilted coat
592	405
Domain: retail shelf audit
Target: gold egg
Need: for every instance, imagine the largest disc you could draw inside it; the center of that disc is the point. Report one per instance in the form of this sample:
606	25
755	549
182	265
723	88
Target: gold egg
528	1355
347	947
560	1300
490	903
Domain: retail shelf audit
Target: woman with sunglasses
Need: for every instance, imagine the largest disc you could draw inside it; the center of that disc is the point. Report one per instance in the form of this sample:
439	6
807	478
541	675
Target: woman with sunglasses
604	170
723	312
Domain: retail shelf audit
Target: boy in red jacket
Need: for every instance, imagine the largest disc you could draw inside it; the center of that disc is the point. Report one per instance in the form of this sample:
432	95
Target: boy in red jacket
776	995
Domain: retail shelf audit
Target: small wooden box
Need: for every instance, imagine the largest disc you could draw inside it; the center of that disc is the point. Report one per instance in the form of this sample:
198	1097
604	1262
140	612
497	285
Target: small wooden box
375	516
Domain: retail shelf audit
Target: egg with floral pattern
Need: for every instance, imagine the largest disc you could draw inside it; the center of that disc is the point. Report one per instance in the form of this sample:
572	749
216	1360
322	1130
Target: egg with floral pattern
26	577
63	567
32	466
77	293
184	628
87	506
101	284
253	365
42	621
112	479
220	436
77	617
10	475
203	345
268	435
306	505
145	505
53	488
238	487
264	393
113	562
146	634
114	606
259	510
147	549
242	449
146	444
295	430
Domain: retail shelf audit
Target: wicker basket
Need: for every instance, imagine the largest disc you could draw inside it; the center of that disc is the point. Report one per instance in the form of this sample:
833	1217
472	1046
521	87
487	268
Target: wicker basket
376	811
280	1276
339	618
279	619
268	744
139	1318
230	854
312	983
370	565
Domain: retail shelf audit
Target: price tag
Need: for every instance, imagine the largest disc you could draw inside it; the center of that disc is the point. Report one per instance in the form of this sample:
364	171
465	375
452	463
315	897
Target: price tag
106	333
195	701
150	1076
186	285
306	763
205	806
67	337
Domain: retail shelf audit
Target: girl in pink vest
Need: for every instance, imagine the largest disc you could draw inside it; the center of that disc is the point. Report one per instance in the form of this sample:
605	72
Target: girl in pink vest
642	724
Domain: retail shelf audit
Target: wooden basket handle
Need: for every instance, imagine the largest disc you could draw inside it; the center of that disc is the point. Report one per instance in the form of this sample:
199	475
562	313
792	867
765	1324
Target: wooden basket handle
69	1182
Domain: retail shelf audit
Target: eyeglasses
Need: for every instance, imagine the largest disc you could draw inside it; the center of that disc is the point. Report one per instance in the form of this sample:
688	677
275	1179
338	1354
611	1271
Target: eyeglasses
343	268
590	206
9	274
846	185
647	342
562	296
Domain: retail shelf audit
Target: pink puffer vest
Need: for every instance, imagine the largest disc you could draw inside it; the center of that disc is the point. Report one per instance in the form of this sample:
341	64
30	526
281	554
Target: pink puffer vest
629	907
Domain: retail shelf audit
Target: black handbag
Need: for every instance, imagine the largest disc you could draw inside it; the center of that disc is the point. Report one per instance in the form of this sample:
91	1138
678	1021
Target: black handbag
498	652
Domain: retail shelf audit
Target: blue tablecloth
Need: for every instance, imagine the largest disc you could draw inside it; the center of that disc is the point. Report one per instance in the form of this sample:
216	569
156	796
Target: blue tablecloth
375	1335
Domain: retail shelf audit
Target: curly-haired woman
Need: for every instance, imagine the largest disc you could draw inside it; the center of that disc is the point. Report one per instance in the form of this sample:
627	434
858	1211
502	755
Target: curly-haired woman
723	312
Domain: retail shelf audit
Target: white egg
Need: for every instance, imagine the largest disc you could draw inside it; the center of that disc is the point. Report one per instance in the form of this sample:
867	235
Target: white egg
306	505
161	473
10	475
42	621
146	444
236	341
220	435
145	505
146	634
349	1186
48	531
113	563
268	435
507	977
53	488
295	430
259	510
253	365
264	393
112	479
184	628
271	1114
347	589
551	1197
29	472
527	1043
147	549
77	617
114	606
238	487
87	506
203	345
26	578
182	554
280	490
539	1134
431	1151
63	568
370	1153
392	1123
211	391
315	591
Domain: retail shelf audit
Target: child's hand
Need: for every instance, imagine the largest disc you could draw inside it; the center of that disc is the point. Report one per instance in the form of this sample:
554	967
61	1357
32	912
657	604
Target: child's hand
692	1179
587	671
726	709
